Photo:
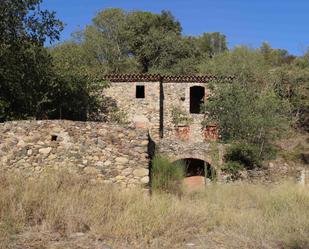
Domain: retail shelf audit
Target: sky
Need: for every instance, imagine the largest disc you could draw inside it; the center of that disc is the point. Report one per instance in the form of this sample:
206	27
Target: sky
282	23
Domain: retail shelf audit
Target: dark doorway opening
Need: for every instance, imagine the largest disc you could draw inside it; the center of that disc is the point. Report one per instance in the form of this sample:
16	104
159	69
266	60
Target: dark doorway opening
197	94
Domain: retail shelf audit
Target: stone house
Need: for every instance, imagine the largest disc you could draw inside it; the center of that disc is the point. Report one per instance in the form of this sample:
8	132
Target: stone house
170	108
164	117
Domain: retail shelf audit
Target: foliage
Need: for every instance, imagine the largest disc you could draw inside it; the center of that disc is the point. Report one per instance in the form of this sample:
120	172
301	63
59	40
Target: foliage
180	117
122	42
246	155
246	65
256	74
106	42
25	72
275	57
291	84
166	176
212	44
233	169
25	21
76	92
146	41
247	116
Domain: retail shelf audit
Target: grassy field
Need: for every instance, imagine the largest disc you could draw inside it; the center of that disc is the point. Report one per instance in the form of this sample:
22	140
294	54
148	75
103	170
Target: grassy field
221	216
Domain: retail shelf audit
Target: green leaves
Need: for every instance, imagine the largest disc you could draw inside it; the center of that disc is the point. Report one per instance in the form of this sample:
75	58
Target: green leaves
148	36
212	44
23	20
32	83
248	116
122	42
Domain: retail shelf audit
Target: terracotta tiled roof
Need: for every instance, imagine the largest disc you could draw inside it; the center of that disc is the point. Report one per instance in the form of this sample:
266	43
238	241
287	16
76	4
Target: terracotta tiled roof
164	78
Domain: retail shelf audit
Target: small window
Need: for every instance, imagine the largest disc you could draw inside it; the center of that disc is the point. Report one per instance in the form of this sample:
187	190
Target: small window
54	138
140	92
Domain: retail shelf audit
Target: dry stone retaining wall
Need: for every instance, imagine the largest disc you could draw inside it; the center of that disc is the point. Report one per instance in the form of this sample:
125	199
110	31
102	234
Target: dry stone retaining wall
105	152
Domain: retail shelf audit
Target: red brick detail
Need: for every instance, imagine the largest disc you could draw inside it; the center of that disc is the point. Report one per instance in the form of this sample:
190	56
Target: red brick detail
183	133
211	133
140	125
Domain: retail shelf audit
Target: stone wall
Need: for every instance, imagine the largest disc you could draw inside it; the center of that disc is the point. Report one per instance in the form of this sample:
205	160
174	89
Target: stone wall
211	153
141	111
105	152
147	111
177	95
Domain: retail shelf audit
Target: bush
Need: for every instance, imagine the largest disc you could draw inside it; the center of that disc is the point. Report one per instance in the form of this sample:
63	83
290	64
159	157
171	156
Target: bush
167	176
244	154
233	168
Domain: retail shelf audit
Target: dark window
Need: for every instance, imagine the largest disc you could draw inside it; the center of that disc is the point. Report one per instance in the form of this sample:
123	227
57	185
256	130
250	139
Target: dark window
140	92
197	94
54	137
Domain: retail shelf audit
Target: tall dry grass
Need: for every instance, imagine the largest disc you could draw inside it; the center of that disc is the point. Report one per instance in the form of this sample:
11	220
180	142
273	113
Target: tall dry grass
243	216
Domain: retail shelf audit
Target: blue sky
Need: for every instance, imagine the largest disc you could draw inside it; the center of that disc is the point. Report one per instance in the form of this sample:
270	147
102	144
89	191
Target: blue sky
282	23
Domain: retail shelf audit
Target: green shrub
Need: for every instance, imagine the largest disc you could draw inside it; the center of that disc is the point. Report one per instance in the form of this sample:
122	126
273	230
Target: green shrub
233	168
167	176
244	154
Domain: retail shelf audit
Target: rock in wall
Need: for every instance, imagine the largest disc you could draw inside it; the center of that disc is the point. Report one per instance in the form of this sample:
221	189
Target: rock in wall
105	152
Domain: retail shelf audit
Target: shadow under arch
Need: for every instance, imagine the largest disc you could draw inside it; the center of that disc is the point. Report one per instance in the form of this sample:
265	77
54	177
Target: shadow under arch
197	167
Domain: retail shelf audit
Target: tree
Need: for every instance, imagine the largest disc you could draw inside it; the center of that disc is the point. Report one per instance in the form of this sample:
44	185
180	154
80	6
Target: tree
25	65
23	20
276	57
244	115
150	36
123	42
75	89
245	64
291	84
106	41
212	43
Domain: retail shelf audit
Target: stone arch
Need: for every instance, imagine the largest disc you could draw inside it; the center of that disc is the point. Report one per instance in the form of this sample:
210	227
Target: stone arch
197	95
205	158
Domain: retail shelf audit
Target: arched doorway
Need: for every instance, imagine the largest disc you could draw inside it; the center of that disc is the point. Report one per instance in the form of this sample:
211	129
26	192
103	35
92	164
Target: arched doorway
197	95
197	172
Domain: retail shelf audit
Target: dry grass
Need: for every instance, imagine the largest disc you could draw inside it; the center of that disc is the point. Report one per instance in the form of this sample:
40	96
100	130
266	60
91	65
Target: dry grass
243	216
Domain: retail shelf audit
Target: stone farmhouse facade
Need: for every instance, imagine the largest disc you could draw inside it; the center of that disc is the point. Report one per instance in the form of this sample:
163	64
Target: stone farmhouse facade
170	106
120	154
164	114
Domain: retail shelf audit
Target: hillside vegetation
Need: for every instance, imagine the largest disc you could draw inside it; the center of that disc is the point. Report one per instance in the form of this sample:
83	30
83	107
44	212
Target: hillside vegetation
63	81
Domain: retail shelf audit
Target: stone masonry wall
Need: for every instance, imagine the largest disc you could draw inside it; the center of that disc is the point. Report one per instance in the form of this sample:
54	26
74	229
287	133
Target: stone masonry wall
177	95
105	152
142	112
147	110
